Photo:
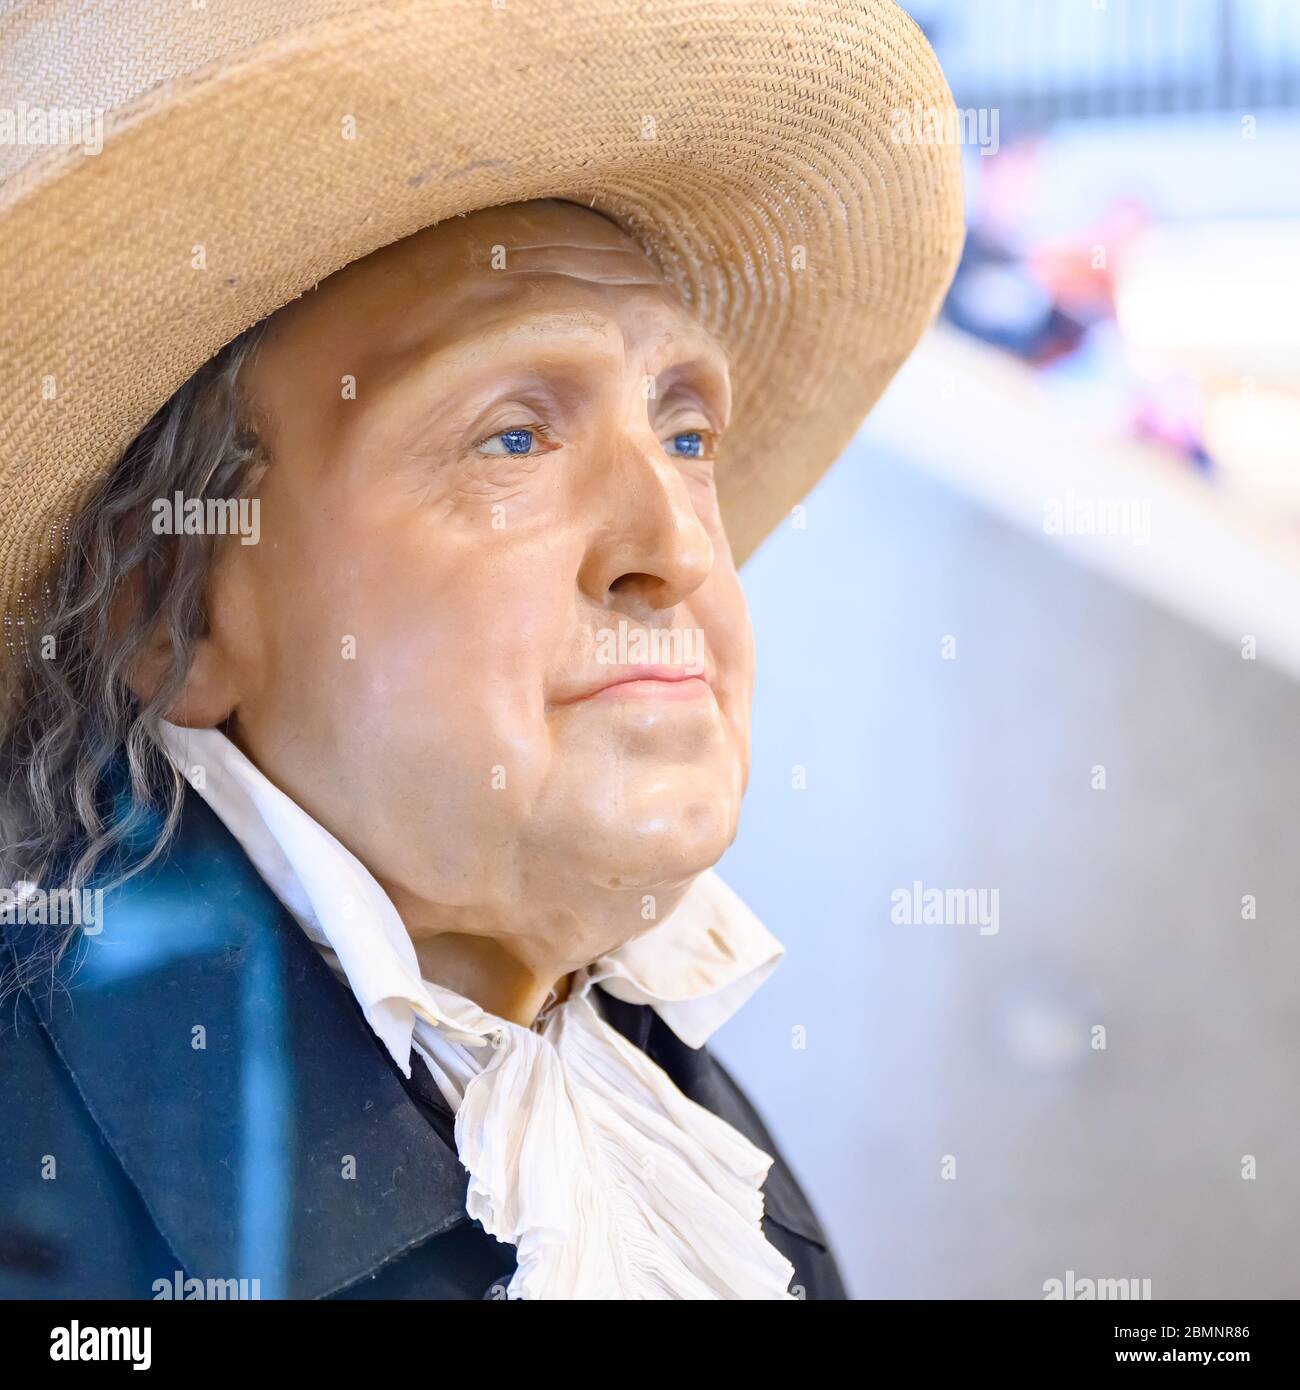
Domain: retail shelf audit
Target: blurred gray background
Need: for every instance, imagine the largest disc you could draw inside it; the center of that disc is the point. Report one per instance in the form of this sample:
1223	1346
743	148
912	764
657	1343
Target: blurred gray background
1119	907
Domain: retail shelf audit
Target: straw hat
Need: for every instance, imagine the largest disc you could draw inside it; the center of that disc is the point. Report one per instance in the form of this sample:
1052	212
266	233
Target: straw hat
252	147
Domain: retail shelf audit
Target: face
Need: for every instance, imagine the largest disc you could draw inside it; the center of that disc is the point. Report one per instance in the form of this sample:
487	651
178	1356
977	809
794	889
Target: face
492	636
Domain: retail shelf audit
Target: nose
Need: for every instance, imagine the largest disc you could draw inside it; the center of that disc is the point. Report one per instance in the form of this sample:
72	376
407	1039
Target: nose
649	545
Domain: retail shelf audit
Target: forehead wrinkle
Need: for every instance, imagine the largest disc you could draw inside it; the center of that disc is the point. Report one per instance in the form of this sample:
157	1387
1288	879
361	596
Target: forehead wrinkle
618	264
583	246
611	278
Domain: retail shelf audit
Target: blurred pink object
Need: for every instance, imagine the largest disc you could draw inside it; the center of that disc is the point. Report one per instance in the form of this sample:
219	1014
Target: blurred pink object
1171	411
1079	272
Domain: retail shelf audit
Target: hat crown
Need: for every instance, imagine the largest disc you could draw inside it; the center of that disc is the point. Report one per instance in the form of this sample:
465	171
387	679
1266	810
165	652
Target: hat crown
60	59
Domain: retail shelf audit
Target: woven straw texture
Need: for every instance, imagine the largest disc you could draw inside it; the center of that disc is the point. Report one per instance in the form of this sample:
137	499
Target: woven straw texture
747	144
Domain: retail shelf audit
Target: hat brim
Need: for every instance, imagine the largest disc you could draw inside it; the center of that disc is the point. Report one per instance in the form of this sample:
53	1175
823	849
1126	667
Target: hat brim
749	145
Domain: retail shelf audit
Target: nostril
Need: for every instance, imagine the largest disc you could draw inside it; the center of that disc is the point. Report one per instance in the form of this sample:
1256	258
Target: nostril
645	585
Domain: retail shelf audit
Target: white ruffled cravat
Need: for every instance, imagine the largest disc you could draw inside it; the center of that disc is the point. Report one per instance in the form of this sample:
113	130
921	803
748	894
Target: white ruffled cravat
581	1152
608	1181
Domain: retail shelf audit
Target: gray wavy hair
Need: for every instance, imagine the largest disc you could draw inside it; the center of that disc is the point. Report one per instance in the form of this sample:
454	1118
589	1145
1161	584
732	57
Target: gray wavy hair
76	715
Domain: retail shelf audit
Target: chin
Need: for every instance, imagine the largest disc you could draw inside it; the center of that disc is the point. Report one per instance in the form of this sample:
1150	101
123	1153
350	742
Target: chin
659	846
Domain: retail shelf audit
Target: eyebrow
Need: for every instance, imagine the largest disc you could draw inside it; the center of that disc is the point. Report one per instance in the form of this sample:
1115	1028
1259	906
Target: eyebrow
701	347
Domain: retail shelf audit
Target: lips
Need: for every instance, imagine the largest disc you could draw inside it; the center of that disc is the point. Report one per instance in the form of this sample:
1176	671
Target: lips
644	682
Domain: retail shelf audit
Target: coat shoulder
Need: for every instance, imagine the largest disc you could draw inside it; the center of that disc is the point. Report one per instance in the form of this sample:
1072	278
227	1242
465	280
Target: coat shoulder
60	1180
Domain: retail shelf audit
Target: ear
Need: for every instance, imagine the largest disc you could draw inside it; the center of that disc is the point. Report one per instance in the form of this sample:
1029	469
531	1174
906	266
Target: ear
209	694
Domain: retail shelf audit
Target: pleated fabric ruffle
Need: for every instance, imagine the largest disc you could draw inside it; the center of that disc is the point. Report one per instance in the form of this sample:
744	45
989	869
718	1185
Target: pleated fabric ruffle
609	1181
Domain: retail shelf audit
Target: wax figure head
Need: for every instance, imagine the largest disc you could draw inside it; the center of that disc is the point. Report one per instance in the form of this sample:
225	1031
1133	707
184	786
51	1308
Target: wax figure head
514	393
440	645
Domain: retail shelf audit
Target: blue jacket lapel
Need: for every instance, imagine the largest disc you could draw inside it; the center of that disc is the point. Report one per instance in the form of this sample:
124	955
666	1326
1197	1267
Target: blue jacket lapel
238	1084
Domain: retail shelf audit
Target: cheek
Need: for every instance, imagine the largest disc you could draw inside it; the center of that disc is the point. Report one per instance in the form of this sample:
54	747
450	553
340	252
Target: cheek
402	700
453	651
724	614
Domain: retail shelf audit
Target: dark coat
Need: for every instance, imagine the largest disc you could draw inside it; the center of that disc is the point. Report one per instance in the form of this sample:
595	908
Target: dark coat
228	1159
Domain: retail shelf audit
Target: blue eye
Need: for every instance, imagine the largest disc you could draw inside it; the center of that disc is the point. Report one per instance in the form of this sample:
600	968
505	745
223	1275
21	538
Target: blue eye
511	441
689	445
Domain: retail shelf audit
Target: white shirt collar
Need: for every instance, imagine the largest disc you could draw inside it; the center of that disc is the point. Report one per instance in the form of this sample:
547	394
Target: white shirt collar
580	1150
695	969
